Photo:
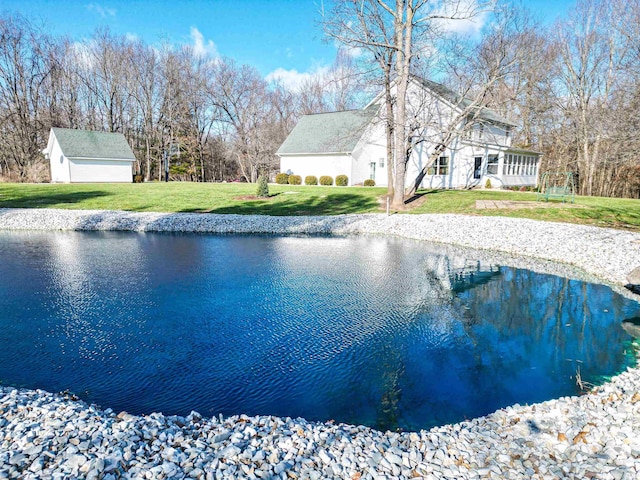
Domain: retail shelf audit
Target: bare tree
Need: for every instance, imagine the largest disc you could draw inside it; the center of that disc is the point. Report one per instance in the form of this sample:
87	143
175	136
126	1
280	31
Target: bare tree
395	35
245	104
147	95
591	54
24	70
106	72
495	58
363	26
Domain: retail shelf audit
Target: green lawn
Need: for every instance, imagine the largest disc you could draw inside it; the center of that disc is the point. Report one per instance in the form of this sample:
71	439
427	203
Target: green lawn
303	200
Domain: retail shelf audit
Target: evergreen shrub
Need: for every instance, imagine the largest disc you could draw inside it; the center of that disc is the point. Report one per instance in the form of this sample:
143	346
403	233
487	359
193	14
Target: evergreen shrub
263	187
282	178
326	180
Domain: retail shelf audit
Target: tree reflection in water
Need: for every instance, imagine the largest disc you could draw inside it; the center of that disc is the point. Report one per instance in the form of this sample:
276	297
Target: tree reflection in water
376	331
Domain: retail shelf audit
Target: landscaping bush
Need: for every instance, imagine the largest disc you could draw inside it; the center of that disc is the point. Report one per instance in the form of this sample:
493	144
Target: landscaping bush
369	183
263	187
310	180
295	180
487	184
138	179
342	180
282	178
326	180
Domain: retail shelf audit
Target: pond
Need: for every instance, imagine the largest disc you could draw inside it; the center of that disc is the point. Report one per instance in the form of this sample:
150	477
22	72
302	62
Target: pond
383	332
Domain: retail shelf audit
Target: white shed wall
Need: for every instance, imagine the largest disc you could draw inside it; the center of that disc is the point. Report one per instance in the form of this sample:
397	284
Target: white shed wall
59	164
103	171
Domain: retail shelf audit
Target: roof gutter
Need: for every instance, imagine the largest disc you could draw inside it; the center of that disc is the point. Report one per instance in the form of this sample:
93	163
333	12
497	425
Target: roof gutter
312	153
103	158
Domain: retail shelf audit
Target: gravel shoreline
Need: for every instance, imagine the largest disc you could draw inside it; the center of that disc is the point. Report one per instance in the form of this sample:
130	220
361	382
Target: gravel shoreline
44	435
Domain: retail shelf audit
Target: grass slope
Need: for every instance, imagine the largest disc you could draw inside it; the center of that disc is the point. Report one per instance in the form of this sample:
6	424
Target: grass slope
303	200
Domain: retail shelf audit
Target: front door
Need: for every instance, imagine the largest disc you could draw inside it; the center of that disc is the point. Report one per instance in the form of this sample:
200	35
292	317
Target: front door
477	167
372	170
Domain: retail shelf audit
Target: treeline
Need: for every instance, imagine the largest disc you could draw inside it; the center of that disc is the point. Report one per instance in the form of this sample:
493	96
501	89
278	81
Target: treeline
575	91
572	86
224	120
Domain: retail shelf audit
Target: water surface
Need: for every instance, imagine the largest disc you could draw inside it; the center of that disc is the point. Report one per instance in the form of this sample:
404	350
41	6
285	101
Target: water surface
376	331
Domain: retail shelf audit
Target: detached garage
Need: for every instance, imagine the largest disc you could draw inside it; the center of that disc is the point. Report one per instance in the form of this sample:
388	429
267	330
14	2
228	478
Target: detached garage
82	156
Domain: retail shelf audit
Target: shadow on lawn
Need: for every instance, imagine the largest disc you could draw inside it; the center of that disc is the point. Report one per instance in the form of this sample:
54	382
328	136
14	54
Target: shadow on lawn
612	216
331	204
45	200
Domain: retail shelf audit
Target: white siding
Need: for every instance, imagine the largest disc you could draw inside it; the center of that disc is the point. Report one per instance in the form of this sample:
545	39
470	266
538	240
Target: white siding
317	165
104	171
58	162
370	149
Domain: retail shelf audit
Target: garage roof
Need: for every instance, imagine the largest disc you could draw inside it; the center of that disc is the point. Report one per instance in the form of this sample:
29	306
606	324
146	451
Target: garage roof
90	144
335	132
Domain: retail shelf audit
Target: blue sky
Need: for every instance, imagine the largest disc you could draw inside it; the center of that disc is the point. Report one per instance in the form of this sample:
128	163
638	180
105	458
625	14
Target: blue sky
280	36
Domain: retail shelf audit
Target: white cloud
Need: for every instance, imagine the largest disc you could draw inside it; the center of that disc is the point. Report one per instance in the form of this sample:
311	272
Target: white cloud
202	48
478	17
104	12
292	79
82	53
132	37
353	52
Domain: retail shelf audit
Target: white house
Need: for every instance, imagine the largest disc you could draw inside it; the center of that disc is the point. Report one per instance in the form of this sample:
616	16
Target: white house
353	143
82	156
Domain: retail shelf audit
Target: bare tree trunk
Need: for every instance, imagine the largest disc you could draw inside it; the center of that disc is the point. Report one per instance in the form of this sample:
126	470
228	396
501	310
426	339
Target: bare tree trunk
389	133
403	26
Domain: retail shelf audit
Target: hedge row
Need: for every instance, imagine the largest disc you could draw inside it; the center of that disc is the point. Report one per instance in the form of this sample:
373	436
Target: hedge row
284	179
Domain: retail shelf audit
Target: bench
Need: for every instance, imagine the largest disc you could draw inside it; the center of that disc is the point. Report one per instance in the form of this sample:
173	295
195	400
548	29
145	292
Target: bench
557	192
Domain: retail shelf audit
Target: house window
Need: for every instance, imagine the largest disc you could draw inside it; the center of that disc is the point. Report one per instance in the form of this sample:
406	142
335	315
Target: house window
381	162
439	167
492	165
524	165
372	170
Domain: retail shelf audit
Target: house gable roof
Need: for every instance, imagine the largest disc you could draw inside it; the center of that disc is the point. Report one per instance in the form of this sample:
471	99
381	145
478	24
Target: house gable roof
453	98
89	144
335	132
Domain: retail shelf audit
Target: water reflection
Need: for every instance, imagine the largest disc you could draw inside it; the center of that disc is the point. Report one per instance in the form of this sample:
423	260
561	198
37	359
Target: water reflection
384	332
632	326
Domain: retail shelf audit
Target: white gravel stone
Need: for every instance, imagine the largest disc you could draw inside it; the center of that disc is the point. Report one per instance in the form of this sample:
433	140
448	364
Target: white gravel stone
44	435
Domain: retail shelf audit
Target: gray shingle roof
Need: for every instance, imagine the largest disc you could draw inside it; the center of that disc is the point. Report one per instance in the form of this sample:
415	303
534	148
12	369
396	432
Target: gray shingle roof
336	132
88	144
